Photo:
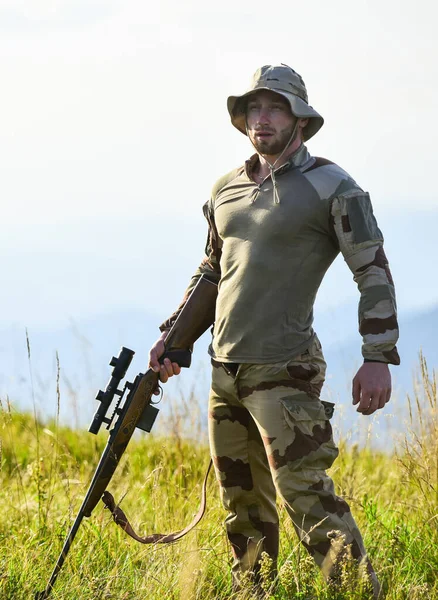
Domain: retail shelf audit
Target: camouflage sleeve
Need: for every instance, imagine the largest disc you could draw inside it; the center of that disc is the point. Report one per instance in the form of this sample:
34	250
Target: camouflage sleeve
361	243
209	265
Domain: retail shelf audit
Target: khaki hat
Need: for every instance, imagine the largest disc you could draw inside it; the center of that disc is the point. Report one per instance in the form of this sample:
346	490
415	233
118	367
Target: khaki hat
284	81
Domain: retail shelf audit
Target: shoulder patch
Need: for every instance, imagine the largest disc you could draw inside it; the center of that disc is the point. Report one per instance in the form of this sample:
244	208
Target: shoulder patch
361	218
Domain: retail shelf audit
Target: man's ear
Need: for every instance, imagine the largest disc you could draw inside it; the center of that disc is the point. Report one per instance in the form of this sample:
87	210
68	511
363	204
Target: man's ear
303	123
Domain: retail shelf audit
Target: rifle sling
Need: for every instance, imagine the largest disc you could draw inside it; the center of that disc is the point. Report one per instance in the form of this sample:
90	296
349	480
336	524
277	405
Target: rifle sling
155	538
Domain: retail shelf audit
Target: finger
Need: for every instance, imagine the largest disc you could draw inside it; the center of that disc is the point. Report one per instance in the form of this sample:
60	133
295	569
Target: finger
176	368
380	399
163	374
373	405
364	403
356	391
383	398
153	362
388	395
168	366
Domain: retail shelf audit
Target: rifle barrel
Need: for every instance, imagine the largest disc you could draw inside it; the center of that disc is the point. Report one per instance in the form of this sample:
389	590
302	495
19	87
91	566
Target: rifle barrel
195	318
104	471
68	542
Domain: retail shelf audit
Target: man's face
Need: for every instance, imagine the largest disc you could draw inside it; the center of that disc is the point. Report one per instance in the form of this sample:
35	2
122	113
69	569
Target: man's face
269	121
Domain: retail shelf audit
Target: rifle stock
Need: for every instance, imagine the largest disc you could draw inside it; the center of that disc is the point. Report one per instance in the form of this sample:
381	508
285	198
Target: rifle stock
138	410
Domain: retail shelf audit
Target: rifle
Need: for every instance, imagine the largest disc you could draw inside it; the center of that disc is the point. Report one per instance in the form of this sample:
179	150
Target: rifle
138	411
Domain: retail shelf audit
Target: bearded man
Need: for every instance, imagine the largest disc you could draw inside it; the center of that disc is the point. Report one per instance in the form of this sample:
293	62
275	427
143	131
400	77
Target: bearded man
275	225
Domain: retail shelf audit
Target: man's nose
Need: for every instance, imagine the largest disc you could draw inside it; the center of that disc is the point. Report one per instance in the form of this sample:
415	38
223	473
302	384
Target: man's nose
264	115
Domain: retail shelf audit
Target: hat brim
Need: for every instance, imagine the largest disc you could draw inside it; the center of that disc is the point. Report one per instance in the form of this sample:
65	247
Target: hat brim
298	107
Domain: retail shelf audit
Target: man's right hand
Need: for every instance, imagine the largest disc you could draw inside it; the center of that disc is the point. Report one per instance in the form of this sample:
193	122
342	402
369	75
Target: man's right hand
167	369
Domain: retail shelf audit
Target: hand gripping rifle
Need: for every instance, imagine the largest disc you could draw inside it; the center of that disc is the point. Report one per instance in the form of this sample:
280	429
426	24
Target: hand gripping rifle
138	411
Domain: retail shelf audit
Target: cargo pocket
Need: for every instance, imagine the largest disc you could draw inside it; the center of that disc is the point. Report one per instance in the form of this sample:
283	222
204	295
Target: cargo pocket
312	444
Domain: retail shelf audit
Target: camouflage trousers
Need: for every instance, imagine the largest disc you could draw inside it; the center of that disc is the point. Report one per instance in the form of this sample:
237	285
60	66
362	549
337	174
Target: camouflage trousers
270	434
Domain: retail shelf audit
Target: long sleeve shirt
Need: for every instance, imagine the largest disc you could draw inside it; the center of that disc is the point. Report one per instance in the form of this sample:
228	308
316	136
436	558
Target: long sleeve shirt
269	256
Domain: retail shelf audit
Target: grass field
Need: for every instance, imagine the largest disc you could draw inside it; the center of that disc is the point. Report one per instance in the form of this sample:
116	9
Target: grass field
45	470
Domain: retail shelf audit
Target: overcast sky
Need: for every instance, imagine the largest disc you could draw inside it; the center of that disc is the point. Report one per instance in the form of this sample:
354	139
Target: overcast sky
114	128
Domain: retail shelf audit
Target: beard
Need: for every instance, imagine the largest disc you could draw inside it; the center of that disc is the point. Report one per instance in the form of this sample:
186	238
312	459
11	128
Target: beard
273	145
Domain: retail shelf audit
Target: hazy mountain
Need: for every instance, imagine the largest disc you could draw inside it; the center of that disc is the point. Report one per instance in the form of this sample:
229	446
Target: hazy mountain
85	348
418	332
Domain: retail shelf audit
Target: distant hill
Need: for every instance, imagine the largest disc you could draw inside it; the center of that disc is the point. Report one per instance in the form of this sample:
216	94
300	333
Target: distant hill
85	348
418	332
86	345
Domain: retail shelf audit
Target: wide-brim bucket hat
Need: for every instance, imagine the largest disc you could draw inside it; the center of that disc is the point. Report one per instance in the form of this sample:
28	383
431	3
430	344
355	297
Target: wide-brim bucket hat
282	80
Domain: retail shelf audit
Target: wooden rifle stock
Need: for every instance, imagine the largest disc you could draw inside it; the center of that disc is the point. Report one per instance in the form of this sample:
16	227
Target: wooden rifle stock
138	411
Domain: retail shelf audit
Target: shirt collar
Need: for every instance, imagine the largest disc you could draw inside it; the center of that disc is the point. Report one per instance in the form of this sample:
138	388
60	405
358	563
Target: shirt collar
299	159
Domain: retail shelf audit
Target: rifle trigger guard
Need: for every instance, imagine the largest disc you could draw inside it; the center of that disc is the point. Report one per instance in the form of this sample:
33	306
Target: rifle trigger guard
161	395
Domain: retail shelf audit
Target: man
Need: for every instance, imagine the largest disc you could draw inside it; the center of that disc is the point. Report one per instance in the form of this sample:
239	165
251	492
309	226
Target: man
275	226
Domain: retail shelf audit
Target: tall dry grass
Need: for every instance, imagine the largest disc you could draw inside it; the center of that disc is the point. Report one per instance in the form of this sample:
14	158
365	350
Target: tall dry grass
45	470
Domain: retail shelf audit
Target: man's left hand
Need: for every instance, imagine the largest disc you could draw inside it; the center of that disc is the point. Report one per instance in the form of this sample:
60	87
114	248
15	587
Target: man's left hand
371	387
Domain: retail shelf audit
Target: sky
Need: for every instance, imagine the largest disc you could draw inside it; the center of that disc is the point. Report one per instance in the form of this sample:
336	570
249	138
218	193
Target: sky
114	128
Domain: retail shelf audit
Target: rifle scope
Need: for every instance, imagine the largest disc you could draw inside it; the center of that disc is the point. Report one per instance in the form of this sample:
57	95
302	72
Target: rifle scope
121	364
